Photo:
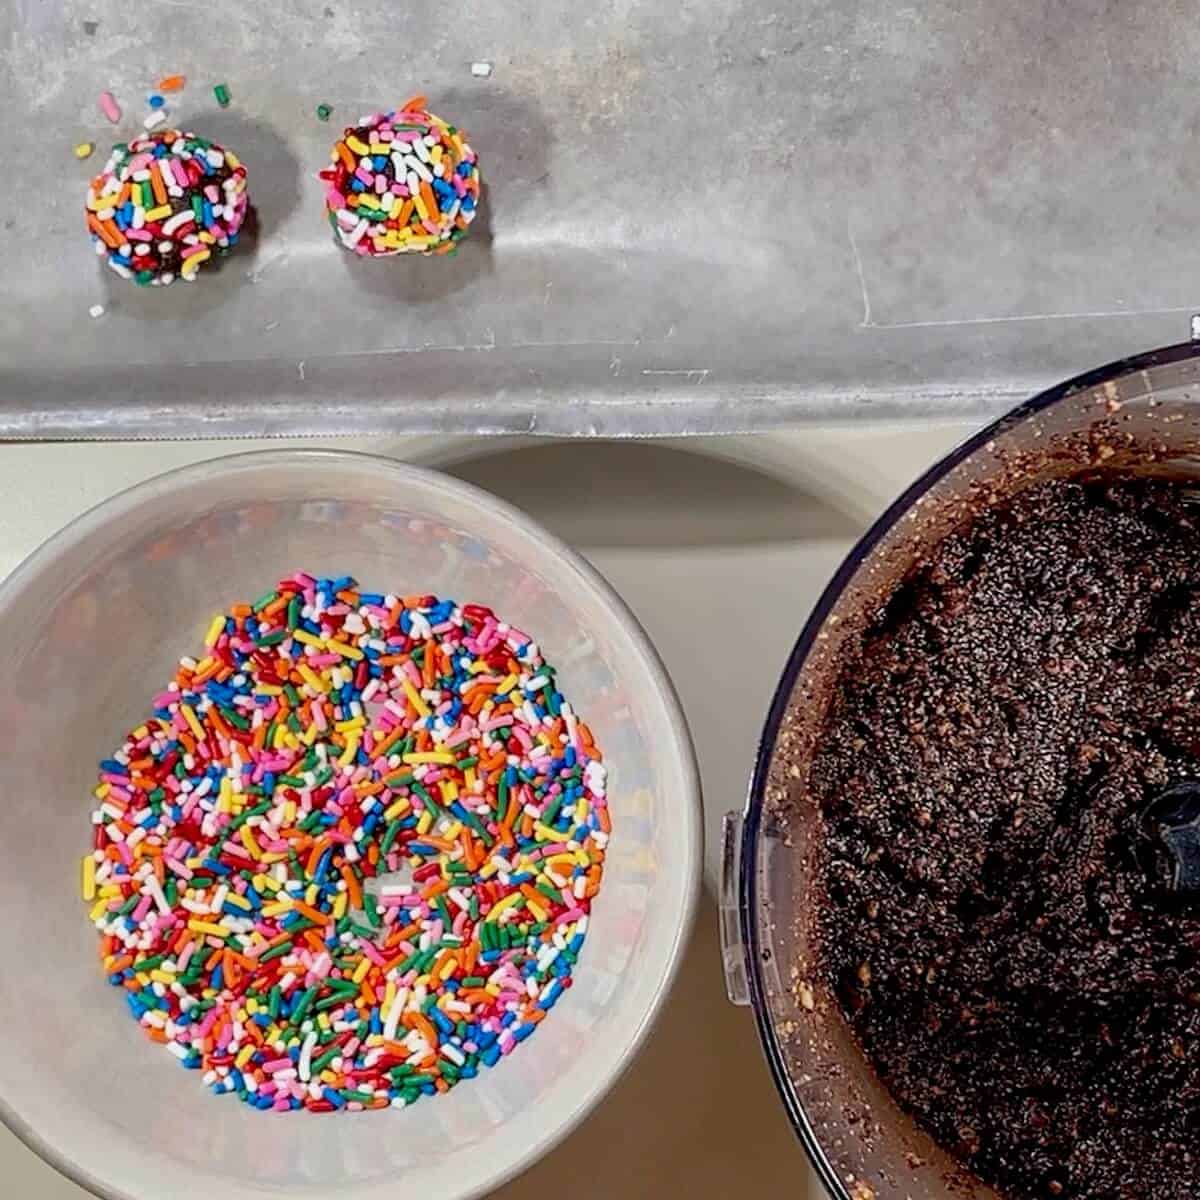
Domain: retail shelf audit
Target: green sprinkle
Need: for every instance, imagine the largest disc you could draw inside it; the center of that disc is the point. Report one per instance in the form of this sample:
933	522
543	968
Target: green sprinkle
324	112
319	1064
275	952
389	836
222	94
263	600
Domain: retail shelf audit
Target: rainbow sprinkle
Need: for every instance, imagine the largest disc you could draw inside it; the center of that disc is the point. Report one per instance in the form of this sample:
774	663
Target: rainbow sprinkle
402	182
164	204
349	859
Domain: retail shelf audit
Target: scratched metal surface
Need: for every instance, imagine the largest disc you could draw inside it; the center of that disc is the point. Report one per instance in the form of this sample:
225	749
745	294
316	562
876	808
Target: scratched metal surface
699	217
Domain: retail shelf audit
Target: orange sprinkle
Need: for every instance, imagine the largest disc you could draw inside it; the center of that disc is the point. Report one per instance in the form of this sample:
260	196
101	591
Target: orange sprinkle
313	914
106	231
353	891
171	83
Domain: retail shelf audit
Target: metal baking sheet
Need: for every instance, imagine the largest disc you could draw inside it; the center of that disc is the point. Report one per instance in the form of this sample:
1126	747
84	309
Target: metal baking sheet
698	217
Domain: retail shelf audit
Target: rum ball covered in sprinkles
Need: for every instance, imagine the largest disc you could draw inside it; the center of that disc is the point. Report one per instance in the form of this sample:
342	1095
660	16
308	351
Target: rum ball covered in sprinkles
165	204
401	182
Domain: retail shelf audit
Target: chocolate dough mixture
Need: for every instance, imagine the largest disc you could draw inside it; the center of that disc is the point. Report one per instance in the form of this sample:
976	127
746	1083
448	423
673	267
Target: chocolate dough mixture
995	929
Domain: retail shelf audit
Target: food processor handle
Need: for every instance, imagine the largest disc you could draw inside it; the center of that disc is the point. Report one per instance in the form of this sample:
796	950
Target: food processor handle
733	948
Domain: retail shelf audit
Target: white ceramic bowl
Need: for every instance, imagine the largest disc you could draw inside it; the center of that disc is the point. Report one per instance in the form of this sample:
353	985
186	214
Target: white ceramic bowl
93	622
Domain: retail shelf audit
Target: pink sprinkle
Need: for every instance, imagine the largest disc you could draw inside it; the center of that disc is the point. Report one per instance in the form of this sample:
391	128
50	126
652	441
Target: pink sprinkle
109	107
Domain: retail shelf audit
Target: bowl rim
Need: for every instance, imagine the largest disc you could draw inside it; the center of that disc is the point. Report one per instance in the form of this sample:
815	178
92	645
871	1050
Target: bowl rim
749	899
676	732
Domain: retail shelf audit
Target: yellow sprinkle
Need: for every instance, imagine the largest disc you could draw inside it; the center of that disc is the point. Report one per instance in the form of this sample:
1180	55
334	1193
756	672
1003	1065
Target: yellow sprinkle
251	1005
429	756
357	145
414	698
389	995
156	214
310	735
513	898
232	159
448	969
277	909
425	824
208	239
193	724
449	791
289	813
310	895
160	976
255	852
244	1055
267	689
273	856
98	909
534	907
351	652
347	755
340	903
360	972
239	901
310	677
89	877
469	778
398	809
109	890
506	685
84	149
309	639
209	927
350	726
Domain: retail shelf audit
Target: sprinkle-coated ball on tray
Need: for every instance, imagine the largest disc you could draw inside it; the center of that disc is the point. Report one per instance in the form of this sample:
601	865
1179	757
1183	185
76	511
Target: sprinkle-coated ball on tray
165	204
402	182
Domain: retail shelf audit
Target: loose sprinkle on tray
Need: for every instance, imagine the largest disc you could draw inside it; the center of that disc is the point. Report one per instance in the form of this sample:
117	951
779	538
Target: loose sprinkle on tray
349	858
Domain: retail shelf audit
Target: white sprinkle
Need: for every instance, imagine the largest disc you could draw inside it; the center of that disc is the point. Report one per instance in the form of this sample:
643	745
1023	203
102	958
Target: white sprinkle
155	119
481	70
97	310
305	1063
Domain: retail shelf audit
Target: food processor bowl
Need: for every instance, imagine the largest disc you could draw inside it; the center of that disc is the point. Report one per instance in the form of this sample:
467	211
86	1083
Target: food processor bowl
1139	415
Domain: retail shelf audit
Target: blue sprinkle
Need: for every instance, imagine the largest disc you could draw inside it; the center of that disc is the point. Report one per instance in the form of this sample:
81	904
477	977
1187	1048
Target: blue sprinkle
156	101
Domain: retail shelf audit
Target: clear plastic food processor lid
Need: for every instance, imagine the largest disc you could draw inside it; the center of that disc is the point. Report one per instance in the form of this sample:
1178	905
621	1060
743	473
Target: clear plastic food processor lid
1139	415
